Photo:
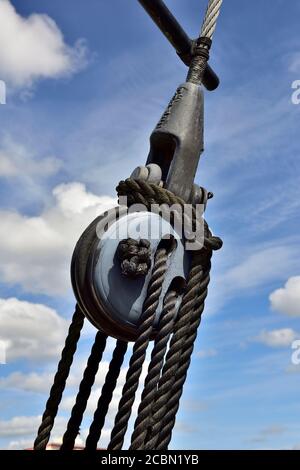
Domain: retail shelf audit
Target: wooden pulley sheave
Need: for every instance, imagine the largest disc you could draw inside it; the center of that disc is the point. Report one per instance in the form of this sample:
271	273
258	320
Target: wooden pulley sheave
140	272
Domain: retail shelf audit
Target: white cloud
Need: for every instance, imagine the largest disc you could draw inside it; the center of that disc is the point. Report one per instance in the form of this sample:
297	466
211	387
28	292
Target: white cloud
287	299
73	199
19	426
41	382
277	338
27	444
240	271
293	369
20	444
295	63
258	268
30	331
16	161
185	427
30	382
23	430
269	433
36	251
34	47
206	353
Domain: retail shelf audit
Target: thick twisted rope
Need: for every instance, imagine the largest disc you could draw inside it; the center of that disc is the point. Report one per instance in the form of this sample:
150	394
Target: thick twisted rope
175	393
139	350
106	395
59	383
149	194
84	392
165	329
147	434
173	358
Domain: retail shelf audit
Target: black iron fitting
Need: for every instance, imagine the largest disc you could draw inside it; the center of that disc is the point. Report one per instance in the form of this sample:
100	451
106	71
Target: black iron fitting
199	60
179	39
177	141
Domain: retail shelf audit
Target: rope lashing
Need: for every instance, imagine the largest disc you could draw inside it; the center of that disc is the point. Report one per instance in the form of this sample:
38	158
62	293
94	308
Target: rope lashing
139	350
149	194
106	395
84	392
60	378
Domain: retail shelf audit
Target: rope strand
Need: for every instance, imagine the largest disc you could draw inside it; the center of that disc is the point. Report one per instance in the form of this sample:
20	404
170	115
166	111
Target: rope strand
174	355
106	396
154	371
168	422
84	392
60	378
139	350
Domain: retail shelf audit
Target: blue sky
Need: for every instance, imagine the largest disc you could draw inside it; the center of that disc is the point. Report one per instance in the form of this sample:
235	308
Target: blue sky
85	87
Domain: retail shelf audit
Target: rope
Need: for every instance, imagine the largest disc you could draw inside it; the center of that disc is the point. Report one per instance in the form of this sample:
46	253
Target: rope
59	383
84	392
149	194
154	405
139	350
175	393
150	387
211	17
106	396
174	354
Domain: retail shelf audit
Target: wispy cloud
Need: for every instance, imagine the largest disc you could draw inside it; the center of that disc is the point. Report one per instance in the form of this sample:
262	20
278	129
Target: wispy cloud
277	338
33	48
287	299
45	242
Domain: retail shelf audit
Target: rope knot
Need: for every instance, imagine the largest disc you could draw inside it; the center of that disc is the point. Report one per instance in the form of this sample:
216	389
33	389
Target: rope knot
135	257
